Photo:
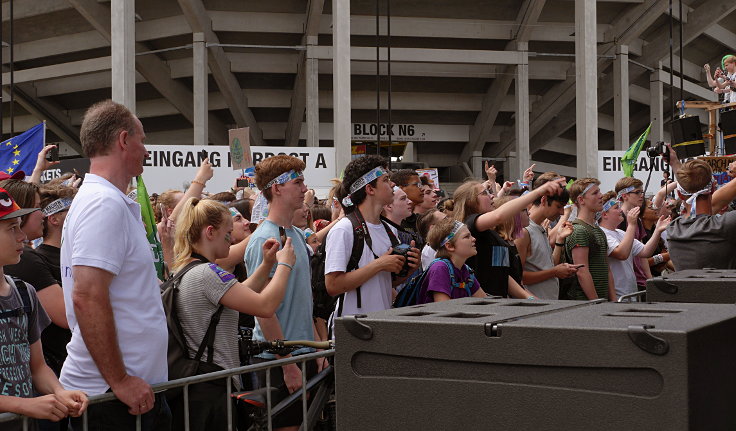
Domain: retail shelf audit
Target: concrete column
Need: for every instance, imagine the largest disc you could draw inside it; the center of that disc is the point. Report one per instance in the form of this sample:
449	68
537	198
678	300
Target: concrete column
199	65
341	82
512	171
410	153
122	34
656	106
312	94
476	163
621	98
522	113
586	100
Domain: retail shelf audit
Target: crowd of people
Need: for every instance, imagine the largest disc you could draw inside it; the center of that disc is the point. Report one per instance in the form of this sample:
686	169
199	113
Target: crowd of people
81	313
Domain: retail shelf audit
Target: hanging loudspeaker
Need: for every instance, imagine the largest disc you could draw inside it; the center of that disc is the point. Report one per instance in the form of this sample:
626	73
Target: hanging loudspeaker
728	126
687	139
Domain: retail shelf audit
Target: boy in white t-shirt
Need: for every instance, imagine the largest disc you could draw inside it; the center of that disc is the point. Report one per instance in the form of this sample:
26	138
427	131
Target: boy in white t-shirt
622	246
366	188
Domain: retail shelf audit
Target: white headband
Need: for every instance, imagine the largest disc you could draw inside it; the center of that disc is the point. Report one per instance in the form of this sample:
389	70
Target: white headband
56	206
363	181
623	191
455	229
693	199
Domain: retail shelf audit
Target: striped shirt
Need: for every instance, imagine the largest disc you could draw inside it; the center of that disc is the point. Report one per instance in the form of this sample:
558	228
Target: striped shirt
585	235
199	296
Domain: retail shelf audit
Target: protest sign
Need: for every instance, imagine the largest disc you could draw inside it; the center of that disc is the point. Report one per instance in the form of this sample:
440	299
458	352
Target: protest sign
240	148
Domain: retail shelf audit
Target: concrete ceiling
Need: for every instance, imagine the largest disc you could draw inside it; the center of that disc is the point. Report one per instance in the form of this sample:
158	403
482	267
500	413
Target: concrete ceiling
62	65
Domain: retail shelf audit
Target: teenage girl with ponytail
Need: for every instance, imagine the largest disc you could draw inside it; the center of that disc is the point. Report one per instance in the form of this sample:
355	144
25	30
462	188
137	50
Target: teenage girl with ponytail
203	235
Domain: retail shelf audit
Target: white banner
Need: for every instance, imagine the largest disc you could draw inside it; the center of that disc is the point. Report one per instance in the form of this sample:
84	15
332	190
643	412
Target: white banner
174	166
610	171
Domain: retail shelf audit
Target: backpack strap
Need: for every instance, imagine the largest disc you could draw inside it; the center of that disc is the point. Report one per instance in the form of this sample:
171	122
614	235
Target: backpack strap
25	298
208	340
24	295
453	281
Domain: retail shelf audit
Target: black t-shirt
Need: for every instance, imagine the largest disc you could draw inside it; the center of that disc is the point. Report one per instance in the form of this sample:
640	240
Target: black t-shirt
409	224
492	264
41	268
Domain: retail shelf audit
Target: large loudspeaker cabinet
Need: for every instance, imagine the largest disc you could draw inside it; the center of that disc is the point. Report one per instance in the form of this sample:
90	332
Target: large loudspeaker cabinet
728	127
501	364
715	286
688	137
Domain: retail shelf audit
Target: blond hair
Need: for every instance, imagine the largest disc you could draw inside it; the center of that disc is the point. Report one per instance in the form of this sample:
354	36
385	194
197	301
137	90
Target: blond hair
196	215
694	175
437	233
577	188
466	200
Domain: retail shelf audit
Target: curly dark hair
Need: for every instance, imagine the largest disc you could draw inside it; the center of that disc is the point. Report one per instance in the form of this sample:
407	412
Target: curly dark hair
353	171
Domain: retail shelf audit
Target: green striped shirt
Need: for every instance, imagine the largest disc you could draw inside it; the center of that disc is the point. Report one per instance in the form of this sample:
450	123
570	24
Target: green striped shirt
585	235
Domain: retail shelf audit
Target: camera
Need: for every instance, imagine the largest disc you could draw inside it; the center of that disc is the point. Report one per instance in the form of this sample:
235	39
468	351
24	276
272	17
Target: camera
659	149
402	250
241	182
53	154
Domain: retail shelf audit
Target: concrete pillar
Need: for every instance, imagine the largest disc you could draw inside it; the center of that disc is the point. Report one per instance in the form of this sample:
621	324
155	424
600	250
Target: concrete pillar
341	82
513	169
410	153
122	34
476	163
522	113
199	65
621	98
586	100
656	106
312	94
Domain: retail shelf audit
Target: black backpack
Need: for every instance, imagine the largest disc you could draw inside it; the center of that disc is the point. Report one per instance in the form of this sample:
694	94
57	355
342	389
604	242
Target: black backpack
180	364
324	303
25	299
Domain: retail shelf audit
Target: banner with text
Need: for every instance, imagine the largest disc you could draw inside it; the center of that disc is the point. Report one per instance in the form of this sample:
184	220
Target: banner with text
610	170
174	166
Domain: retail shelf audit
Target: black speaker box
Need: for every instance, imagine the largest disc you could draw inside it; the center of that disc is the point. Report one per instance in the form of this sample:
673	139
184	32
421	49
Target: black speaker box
715	286
502	364
728	127
687	137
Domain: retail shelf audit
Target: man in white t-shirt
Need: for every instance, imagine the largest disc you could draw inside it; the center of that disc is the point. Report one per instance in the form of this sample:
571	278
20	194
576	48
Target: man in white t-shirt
366	188
111	293
622	246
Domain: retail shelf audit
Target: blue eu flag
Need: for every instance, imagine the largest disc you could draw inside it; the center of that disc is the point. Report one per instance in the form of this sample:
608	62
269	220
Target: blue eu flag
20	152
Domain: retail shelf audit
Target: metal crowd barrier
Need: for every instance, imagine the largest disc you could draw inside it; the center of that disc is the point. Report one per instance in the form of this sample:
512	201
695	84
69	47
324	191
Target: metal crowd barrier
187	381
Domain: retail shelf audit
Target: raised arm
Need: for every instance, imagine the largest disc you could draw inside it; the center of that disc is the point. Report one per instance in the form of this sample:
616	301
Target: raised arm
493	218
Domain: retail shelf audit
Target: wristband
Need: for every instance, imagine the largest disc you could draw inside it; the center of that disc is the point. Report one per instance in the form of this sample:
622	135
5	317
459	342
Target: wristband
658	258
560	244
198	182
286	265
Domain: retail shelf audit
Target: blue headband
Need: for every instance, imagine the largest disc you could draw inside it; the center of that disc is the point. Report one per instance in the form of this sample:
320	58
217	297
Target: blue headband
623	191
610	204
285	178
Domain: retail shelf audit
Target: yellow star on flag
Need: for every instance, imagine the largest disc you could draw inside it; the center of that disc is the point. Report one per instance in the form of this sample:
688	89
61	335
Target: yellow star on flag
16	161
16	153
10	170
15	146
9	143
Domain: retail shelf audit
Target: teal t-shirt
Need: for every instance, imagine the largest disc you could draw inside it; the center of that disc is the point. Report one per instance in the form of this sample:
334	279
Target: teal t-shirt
295	311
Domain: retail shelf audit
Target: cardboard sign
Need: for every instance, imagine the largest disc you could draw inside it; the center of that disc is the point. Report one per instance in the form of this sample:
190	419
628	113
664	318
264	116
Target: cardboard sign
720	167
240	148
432	174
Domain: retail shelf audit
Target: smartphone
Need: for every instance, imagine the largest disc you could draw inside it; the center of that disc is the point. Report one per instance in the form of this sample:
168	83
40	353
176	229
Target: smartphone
578	266
282	235
53	154
241	182
202	155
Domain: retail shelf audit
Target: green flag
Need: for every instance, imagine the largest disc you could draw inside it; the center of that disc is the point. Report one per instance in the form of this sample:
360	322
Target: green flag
149	222
628	161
